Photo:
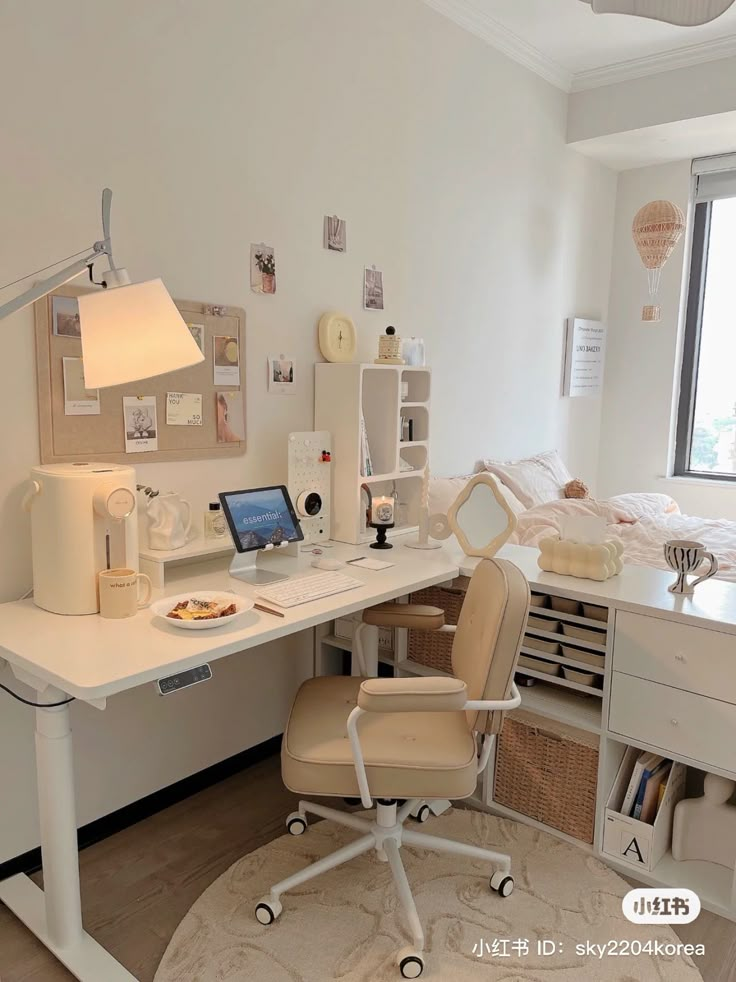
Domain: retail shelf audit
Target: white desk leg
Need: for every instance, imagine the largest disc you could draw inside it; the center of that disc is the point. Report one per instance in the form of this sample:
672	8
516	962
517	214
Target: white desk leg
368	634
54	914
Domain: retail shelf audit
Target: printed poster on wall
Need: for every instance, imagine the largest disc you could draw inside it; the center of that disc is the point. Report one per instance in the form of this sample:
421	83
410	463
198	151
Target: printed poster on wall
585	351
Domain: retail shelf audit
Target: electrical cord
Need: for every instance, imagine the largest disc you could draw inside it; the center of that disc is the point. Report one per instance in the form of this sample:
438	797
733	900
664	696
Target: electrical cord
35	705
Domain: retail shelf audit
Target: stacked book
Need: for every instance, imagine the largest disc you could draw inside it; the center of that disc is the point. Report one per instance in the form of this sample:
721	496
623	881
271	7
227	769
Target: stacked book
646	787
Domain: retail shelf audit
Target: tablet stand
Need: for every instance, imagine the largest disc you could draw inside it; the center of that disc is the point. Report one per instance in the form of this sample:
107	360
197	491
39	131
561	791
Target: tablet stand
244	566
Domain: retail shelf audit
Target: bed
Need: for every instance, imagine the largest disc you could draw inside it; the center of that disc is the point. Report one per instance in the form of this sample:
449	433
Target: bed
642	521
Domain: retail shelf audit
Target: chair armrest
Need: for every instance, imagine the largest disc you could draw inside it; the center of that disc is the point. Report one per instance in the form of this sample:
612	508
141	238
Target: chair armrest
416	695
420	617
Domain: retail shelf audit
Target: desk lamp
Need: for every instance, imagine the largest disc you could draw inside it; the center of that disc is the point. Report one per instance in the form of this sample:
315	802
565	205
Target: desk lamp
129	331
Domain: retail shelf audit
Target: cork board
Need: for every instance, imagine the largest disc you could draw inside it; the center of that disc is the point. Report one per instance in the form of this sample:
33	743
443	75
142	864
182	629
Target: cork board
64	438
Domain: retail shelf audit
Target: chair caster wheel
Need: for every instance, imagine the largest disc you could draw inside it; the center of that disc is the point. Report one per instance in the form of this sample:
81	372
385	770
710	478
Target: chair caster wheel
422	814
267	911
411	963
502	883
352	801
296	824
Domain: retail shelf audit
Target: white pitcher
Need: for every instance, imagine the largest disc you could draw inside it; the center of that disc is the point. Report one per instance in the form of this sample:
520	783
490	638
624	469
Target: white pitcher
170	521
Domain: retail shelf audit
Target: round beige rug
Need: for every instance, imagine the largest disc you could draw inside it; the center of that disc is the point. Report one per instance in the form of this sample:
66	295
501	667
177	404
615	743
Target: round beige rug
347	924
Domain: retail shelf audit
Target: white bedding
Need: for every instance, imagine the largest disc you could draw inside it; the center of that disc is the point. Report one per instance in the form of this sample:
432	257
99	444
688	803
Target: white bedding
643	523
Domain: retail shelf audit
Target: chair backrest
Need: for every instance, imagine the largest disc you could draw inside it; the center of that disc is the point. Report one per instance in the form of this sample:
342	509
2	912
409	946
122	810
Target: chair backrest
489	635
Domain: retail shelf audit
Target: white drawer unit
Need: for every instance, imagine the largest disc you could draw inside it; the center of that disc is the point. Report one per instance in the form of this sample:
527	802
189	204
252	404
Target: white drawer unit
674	721
674	654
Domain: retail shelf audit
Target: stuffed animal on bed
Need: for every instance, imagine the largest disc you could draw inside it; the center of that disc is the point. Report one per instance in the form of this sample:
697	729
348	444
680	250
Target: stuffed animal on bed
576	489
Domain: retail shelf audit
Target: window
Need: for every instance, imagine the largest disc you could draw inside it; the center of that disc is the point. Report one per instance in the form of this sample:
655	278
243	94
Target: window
706	421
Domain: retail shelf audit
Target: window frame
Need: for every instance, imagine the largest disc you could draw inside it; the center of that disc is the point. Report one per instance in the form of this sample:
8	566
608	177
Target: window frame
691	348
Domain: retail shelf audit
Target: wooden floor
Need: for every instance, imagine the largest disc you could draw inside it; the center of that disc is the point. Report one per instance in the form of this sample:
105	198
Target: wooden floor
139	884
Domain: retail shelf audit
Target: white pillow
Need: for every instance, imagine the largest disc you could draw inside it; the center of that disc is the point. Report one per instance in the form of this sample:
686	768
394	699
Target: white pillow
444	490
534	480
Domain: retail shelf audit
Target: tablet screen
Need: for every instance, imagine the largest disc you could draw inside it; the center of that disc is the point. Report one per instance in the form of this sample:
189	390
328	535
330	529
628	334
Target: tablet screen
260	517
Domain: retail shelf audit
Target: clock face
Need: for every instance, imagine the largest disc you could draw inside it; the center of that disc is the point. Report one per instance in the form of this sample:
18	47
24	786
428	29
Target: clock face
385	513
337	337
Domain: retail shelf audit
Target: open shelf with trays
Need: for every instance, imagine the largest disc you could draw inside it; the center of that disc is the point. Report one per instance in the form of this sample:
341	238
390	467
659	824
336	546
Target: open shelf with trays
345	394
551	638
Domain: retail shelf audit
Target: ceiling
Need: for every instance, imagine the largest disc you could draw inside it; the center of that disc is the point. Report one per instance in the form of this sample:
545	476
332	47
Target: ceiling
570	46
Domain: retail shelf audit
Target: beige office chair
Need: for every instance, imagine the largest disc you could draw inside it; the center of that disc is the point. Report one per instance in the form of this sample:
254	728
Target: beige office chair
397	741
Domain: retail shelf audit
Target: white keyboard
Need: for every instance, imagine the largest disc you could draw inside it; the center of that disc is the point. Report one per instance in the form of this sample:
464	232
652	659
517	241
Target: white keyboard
301	589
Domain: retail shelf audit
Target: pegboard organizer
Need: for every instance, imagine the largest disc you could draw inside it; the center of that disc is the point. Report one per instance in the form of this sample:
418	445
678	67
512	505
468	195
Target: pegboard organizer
310	478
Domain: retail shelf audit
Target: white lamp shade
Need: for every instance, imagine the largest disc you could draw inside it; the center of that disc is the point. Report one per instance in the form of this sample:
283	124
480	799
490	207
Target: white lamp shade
133	332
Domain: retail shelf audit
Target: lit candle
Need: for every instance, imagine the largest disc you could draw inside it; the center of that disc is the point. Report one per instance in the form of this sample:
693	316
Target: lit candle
382	510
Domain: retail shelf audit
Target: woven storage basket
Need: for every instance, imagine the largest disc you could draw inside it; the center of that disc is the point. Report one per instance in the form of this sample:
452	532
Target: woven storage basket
549	772
431	648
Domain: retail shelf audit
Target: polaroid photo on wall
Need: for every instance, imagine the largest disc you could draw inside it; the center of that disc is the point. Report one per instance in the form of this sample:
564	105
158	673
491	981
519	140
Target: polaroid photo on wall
281	374
78	400
372	288
262	268
335	234
226	360
230	417
65	317
197	332
141	425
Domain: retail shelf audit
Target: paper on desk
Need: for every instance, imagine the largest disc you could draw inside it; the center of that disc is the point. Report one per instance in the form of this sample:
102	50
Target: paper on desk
371	564
589	529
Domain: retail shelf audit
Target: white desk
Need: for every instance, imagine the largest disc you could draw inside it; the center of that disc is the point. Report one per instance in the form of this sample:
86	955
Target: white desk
91	659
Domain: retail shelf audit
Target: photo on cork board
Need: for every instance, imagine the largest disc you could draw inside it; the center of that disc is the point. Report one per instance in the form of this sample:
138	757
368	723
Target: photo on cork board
65	317
230	417
141	424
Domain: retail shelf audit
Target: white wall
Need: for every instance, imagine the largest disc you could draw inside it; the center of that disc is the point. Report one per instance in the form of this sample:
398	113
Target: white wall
642	361
228	122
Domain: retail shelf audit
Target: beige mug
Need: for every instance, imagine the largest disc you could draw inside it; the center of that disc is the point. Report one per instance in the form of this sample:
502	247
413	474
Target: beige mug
119	592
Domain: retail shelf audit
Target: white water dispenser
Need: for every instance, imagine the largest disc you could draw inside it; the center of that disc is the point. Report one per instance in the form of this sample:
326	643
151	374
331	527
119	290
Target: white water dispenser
83	520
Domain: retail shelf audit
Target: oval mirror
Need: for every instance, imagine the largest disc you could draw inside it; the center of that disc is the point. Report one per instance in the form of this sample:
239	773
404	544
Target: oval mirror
480	517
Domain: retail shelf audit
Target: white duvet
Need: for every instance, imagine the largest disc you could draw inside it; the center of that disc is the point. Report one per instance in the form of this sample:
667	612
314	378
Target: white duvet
643	523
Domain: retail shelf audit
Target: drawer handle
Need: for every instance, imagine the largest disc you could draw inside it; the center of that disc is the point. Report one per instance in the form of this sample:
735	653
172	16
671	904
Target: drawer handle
675	722
680	657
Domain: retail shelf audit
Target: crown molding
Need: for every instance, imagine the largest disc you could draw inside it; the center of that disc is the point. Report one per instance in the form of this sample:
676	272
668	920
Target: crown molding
467	15
665	61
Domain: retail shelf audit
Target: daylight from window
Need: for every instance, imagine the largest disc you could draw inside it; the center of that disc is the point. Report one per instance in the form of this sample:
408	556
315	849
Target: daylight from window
713	445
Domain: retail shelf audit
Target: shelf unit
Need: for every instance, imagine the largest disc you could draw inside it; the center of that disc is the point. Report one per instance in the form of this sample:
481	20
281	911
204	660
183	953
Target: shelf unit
345	393
559	620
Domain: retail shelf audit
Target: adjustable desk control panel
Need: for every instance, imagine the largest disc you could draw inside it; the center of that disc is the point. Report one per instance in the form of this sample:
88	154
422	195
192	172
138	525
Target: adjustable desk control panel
182	680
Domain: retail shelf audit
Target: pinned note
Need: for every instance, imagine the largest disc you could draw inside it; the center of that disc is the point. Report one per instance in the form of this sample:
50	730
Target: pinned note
184	408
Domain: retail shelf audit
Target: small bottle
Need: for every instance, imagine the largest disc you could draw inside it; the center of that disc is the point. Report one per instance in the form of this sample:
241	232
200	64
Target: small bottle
215	526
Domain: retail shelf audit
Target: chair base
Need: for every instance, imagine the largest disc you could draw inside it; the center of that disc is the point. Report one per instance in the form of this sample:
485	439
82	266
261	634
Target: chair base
386	834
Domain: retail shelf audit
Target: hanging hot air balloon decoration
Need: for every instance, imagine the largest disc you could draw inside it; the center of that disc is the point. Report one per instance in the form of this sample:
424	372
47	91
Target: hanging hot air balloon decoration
656	229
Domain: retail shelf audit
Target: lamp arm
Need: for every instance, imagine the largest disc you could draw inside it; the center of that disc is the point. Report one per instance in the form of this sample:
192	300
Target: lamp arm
52	282
101	248
106	240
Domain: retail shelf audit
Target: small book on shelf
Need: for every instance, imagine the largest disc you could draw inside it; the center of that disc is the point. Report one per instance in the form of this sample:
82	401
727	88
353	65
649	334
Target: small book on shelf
655	783
645	764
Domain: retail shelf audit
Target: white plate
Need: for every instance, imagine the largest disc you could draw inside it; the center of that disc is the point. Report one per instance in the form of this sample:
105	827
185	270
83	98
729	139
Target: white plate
162	607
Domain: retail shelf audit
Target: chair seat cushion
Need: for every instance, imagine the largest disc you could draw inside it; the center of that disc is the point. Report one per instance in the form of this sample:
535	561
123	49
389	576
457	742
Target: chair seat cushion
407	755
